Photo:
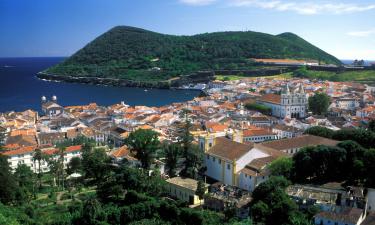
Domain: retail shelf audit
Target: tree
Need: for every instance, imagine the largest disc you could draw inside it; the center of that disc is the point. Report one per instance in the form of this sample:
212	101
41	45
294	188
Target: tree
271	205
39	156
95	163
320	131
25	179
300	72
185	136
144	143
319	103
75	165
369	165
371	126
92	212
172	154
354	160
193	163
201	190
8	184
282	167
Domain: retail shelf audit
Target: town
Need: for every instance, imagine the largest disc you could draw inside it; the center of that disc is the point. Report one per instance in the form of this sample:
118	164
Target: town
214	151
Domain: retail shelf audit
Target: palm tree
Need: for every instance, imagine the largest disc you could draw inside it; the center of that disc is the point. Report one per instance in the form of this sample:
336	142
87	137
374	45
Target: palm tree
38	156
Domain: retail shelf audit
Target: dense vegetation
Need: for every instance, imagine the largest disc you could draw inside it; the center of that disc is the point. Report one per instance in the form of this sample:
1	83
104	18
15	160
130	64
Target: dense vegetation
351	161
319	103
136	54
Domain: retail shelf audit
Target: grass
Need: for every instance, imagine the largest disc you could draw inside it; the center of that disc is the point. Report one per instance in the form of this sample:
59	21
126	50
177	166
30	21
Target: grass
366	76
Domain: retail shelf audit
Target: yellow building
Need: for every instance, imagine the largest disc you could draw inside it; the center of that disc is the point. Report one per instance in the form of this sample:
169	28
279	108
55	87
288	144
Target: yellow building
184	189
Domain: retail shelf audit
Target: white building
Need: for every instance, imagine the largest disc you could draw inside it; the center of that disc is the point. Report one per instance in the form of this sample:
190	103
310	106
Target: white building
291	104
284	131
25	156
346	103
226	160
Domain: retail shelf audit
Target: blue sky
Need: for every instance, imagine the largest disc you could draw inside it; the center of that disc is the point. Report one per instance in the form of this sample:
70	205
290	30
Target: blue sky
343	28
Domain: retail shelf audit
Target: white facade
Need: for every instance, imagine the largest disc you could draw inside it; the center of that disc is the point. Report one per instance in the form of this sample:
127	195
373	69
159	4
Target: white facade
347	103
260	138
228	172
249	182
27	159
292	104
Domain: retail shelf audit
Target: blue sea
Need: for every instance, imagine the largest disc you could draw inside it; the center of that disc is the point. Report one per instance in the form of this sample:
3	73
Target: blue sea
20	89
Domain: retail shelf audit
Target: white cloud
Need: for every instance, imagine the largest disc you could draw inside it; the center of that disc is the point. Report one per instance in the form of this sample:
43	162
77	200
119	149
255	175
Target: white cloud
364	33
197	2
304	7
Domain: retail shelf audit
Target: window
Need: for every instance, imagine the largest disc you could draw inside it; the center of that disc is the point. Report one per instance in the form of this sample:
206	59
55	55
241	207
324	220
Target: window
213	159
208	157
210	145
219	161
228	166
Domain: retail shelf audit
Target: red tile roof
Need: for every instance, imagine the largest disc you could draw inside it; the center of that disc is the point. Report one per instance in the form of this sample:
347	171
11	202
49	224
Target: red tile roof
272	98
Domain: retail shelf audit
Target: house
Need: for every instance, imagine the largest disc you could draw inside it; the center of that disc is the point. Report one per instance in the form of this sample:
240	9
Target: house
291	104
25	156
284	131
255	173
51	108
341	216
51	138
20	141
327	197
221	197
184	189
258	135
225	158
293	145
123	153
346	103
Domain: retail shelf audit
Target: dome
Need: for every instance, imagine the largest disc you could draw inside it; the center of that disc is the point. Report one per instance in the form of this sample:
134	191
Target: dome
54	98
44	98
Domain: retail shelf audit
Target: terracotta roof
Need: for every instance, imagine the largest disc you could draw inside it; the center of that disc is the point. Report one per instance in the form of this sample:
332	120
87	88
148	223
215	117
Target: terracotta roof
272	98
299	142
216	127
249	172
20	151
260	163
73	148
287	128
257	132
228	149
347	215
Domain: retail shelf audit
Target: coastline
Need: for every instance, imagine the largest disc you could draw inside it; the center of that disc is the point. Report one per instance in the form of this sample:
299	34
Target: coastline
103	81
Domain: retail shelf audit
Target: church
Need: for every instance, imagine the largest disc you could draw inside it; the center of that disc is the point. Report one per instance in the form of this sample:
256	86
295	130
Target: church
290	104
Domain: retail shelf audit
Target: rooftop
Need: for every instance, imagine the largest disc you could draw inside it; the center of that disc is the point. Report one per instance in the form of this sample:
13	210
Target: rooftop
299	142
227	149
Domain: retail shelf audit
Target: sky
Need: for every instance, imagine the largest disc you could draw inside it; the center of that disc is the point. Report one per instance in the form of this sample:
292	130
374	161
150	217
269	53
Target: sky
28	28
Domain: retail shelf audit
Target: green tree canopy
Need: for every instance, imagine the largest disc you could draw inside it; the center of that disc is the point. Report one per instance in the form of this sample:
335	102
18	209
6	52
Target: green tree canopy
8	184
319	103
144	144
282	167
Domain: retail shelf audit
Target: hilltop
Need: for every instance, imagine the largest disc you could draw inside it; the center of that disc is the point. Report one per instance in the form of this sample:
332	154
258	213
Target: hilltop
139	55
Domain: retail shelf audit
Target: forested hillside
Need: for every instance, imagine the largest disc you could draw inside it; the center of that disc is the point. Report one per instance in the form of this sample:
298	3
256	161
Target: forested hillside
136	54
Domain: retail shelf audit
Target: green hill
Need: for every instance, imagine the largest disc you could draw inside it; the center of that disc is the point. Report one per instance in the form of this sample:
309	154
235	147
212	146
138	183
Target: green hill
139	55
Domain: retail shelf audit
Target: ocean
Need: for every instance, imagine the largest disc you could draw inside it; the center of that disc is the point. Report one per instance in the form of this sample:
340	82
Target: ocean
20	89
